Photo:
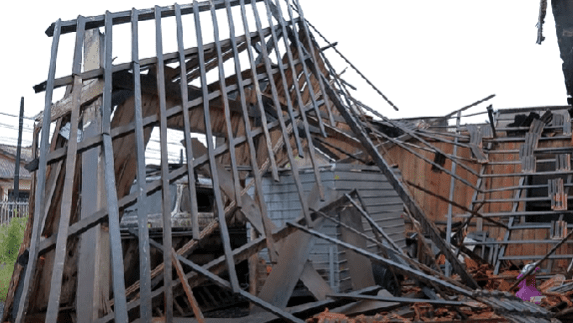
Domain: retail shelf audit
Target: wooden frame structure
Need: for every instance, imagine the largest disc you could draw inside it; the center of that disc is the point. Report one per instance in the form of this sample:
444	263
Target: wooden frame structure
269	112
105	151
264	146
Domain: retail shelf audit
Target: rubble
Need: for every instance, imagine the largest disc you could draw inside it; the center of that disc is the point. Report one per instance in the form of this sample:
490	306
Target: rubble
299	206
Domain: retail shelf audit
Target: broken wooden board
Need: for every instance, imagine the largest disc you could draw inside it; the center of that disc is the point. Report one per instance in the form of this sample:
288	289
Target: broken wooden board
365	306
360	267
91	90
293	256
314	282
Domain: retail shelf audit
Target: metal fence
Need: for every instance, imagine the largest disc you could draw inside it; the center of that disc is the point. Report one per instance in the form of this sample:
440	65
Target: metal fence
10	209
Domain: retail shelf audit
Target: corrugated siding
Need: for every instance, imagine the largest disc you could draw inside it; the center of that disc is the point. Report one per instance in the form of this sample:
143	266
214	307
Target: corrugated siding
381	201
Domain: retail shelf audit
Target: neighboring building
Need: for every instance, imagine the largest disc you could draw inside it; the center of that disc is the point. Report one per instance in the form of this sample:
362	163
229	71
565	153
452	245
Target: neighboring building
7	169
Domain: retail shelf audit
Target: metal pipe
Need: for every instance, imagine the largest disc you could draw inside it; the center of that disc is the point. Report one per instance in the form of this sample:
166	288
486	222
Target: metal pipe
16	192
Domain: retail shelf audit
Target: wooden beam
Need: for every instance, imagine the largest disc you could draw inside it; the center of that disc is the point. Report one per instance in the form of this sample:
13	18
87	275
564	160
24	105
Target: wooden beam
149	121
110	187
403	268
360	267
294	253
192	301
41	175
249	136
283	127
211	154
190	53
300	102
216	266
165	191
124	17
223	283
93	264
259	99
411	204
225	99
314	282
141	138
90	91
70	174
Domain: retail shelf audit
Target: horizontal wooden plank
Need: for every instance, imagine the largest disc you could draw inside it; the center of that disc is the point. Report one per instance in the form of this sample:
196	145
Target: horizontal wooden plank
124	17
167	58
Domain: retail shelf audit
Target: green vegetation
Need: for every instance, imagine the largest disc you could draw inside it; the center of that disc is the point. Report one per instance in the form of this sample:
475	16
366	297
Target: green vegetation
11	238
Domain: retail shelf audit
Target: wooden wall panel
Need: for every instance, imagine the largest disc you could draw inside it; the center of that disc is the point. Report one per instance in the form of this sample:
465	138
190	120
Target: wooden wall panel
418	171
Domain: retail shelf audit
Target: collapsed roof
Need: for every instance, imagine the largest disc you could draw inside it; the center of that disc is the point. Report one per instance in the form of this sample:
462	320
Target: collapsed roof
279	107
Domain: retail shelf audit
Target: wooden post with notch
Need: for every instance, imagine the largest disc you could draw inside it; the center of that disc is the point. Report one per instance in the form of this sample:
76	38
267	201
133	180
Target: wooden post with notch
93	264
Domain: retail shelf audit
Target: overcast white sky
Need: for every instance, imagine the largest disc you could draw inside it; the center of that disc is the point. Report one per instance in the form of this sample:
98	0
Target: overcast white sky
428	57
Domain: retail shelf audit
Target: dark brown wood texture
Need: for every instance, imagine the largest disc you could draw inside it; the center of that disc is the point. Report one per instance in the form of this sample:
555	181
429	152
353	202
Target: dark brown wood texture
272	116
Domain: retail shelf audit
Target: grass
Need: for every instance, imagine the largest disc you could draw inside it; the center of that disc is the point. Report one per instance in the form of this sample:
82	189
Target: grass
11	237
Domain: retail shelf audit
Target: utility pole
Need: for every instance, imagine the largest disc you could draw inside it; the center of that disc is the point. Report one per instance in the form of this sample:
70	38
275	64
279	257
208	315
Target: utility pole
16	193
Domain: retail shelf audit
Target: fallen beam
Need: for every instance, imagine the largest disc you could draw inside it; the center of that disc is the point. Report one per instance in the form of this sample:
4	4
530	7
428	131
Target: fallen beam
399	187
479	215
405	269
225	284
187	288
401	299
216	266
542	259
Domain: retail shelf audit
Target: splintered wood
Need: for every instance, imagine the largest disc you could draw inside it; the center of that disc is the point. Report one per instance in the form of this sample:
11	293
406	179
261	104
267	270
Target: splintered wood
285	185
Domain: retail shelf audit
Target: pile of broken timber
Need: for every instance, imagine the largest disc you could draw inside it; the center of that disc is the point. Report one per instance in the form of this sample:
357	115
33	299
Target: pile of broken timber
285	104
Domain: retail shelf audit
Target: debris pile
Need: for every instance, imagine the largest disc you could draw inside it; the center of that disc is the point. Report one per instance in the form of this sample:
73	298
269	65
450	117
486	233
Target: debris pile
300	204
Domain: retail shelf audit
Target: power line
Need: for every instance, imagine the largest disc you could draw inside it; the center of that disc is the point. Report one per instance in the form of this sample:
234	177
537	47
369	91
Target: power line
11	127
25	143
15	116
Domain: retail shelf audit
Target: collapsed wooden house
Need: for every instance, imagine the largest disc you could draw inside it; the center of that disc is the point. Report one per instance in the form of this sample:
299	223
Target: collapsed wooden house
112	238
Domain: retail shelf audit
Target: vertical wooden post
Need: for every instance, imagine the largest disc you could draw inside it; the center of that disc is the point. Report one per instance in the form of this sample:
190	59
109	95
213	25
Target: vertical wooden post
142	219
452	188
93	265
211	153
165	195
117	269
39	208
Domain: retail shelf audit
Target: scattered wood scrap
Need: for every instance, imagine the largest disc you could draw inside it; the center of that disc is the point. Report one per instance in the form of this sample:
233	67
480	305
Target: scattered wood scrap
302	204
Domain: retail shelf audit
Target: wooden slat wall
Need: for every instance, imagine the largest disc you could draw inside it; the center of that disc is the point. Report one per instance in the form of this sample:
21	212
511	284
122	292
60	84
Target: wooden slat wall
416	170
567	248
419	172
497	182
